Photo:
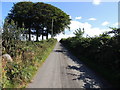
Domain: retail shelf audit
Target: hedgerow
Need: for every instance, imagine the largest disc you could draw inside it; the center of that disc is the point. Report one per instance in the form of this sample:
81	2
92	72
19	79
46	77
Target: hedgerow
27	56
102	53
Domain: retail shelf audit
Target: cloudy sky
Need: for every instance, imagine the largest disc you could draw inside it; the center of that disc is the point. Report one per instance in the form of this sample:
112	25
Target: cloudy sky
95	16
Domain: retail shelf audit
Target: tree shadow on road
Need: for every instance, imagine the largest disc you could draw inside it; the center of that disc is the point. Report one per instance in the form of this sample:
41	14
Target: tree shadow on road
89	81
86	75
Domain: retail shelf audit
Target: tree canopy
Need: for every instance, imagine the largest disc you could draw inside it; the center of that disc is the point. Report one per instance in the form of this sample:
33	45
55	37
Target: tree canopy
40	17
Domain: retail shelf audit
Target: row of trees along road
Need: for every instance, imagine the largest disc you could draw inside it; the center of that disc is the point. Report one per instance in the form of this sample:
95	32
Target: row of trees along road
43	18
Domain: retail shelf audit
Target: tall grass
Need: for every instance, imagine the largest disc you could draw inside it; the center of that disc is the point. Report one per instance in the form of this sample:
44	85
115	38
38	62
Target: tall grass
27	58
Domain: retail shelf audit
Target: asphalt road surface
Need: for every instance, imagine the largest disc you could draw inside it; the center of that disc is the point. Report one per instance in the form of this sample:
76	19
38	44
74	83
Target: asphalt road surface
63	70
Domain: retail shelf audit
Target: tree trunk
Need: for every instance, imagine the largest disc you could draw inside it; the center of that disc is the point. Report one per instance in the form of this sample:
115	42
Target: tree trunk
37	34
29	34
47	35
26	36
42	35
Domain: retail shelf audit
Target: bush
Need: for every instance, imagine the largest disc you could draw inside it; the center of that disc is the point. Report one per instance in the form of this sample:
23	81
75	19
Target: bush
29	56
103	51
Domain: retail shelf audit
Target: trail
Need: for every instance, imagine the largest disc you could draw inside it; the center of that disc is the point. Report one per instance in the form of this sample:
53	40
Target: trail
63	70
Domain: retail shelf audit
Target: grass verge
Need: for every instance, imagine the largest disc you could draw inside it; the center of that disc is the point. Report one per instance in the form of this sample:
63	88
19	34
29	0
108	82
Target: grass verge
29	57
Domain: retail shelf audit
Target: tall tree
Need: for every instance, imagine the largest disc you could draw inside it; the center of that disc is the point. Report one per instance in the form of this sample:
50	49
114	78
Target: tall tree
45	15
21	13
44	18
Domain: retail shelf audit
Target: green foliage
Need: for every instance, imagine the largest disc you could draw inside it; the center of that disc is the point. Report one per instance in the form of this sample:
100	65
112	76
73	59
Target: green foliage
29	56
79	33
39	16
10	31
10	37
21	13
102	51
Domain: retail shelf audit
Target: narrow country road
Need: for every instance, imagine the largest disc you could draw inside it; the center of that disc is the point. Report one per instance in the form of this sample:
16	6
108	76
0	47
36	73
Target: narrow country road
63	70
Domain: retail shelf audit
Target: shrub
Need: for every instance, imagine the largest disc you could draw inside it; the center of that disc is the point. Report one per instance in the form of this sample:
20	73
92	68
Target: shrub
101	50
